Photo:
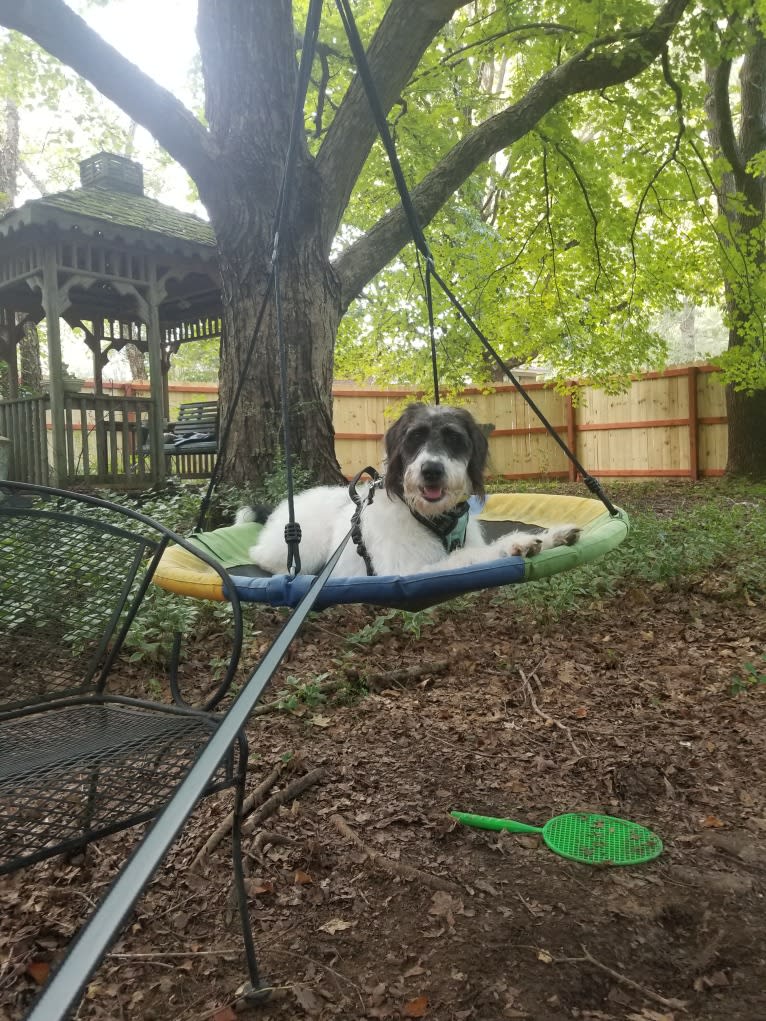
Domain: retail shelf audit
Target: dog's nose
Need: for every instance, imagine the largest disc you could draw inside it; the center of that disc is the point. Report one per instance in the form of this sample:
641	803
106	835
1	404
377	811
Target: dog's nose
432	471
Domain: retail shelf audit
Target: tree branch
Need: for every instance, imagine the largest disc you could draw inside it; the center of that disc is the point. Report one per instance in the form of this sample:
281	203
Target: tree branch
56	28
719	115
601	64
404	34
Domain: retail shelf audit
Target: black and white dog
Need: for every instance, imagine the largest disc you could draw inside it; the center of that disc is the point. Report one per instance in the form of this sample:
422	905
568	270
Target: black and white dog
435	460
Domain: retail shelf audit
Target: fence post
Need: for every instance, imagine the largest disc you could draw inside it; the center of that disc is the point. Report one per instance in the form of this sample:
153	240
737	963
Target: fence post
694	464
571	431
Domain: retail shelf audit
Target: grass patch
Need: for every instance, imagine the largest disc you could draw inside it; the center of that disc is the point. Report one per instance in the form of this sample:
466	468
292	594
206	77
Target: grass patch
682	536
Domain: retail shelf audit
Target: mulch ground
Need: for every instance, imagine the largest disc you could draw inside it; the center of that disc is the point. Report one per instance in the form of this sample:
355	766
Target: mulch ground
369	901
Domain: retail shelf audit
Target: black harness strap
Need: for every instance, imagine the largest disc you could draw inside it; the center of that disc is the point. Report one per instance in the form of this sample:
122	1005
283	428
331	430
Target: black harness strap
356	519
450	526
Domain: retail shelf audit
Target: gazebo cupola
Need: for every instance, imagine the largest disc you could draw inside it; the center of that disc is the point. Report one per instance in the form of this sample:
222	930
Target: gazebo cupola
112	173
120	266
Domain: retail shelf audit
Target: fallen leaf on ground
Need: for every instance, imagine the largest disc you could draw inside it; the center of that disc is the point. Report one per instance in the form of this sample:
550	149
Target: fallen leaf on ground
417	1007
39	971
308	999
335	925
225	1014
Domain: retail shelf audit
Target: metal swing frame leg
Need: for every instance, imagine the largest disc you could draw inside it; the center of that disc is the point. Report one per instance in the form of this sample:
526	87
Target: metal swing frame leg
256	992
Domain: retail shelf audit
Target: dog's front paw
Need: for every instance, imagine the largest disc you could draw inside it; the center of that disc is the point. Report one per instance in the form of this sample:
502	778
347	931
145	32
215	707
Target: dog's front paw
565	536
530	547
522	545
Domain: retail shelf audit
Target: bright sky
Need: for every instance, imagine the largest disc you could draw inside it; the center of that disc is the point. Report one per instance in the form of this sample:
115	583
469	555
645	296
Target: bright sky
160	38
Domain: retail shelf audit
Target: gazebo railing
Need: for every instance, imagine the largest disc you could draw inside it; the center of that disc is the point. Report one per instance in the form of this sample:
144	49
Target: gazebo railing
23	421
106	439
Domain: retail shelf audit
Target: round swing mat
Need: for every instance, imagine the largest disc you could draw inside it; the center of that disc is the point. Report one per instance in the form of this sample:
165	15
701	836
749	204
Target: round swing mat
181	572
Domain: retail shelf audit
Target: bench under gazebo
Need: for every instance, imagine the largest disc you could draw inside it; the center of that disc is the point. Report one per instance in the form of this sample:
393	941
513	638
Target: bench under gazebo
122	268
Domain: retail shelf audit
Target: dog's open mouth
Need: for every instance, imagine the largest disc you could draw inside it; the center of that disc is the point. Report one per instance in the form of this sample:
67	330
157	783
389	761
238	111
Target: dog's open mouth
432	493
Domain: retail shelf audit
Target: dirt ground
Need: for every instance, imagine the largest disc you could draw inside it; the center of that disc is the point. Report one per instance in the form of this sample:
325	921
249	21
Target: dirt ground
369	901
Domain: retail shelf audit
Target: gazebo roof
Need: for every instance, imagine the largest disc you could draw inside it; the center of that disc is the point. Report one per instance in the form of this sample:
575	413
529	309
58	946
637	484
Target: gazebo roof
107	207
108	239
114	208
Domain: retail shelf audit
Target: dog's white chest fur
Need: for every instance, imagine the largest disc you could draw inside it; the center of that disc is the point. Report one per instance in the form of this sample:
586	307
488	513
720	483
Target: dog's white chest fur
395	540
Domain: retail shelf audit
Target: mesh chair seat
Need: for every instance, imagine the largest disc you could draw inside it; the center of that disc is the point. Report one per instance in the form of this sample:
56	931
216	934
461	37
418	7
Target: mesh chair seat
72	774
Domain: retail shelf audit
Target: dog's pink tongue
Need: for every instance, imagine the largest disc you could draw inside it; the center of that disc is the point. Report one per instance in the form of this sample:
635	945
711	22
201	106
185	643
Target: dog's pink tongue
432	492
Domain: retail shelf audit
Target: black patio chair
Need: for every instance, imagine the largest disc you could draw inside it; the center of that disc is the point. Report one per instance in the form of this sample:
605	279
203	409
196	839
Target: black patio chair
79	757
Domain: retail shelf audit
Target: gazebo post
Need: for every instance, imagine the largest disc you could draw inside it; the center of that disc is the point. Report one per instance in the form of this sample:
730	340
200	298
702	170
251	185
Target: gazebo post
166	389
154	343
98	367
10	335
55	366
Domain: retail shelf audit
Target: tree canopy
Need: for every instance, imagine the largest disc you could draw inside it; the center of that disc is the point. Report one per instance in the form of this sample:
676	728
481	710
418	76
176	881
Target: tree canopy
560	162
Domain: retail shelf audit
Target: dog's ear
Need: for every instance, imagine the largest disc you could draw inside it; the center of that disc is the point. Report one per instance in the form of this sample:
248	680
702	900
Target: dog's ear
394	442
480	451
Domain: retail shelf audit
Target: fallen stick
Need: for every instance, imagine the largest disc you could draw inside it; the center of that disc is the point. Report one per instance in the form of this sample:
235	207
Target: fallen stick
664	1001
394	868
270	837
248	805
291	791
527	688
379	680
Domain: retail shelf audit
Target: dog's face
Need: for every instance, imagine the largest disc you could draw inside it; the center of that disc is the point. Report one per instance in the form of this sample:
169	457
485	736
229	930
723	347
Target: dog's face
435	457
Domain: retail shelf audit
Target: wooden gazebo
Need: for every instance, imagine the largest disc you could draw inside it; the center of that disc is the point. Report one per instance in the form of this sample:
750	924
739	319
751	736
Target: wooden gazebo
124	268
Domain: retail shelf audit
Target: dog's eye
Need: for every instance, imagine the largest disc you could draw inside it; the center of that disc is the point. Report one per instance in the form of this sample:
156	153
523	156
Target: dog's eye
415	439
455	441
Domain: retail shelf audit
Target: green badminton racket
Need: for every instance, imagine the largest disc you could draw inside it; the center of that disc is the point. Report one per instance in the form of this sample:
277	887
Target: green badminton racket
587	838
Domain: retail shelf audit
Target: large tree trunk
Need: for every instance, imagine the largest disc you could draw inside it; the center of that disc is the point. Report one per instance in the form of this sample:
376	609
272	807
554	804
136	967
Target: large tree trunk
747	433
310	304
250	121
136	363
30	369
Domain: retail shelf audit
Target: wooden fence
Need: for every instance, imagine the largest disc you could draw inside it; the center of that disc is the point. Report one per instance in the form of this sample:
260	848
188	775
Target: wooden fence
668	424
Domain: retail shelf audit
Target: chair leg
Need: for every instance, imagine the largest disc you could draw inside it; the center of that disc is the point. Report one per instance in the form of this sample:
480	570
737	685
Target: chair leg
255	992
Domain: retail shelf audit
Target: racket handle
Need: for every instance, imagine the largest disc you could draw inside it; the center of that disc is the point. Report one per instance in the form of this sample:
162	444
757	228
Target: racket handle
486	822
